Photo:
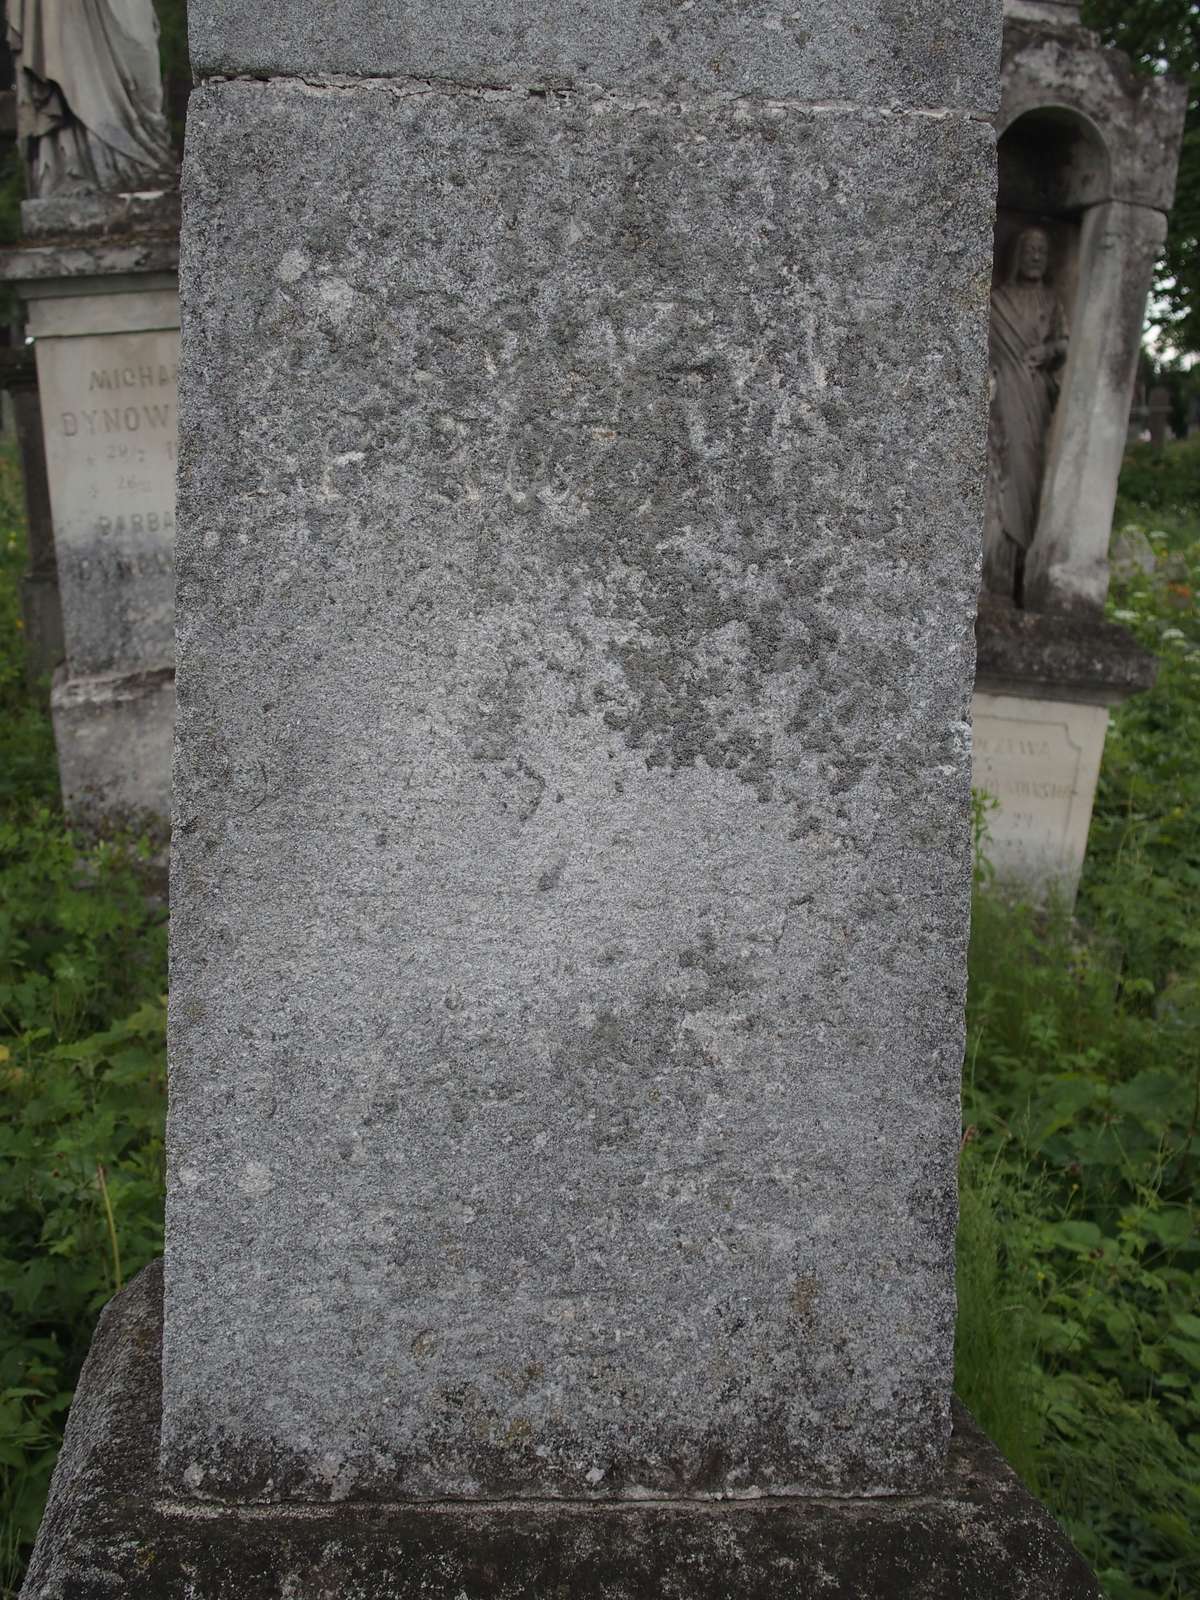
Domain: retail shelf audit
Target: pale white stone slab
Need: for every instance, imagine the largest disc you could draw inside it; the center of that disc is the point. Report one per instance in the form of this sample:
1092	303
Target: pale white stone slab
109	411
49	316
1039	760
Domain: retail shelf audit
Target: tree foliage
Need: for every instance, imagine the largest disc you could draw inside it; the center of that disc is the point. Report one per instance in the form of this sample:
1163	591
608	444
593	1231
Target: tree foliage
1164	36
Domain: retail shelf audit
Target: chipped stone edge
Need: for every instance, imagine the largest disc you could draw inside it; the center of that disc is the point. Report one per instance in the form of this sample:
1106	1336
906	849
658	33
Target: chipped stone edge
600	98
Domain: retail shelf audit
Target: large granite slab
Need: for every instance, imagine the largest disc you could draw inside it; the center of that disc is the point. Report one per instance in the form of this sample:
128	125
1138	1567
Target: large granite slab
580	512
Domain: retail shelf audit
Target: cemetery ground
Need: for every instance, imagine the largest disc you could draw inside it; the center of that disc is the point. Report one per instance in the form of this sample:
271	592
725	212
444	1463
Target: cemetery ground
1079	1251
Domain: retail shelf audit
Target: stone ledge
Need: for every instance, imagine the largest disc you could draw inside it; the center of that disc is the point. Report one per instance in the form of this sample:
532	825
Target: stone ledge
89	258
142	212
95	235
1057	656
107	1532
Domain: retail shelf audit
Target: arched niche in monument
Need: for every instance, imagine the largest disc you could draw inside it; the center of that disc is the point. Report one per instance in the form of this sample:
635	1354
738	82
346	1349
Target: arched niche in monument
1053	165
1087	152
1087	157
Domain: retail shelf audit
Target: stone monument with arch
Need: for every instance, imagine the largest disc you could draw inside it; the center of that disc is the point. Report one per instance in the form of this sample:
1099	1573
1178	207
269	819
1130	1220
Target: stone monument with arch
1087	157
96	274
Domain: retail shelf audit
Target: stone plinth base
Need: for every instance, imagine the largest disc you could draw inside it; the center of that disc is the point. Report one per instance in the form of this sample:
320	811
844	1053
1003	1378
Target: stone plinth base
114	733
1044	685
108	1531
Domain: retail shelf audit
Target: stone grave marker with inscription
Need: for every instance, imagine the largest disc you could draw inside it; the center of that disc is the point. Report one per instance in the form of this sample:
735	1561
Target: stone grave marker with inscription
96	272
571	876
1039	762
110	404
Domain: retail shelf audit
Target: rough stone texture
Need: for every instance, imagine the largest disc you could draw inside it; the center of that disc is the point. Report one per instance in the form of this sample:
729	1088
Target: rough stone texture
1058	656
937	53
108	1531
580	514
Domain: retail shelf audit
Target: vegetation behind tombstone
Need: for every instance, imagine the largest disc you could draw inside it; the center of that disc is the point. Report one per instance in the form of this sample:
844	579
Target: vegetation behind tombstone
82	1077
1079	1330
1164	35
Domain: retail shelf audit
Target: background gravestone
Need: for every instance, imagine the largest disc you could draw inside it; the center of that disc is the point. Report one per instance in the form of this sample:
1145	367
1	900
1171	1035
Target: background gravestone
1160	416
581	485
96	272
1087	158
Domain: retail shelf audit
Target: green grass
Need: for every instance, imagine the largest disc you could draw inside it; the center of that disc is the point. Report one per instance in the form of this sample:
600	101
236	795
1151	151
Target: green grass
1079	1255
1158	484
82	1078
1079	1261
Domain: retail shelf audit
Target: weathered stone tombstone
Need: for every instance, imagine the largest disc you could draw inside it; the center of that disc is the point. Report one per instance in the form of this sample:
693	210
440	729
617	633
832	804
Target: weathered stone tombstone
1087	159
96	272
1160	416
581	488
1139	413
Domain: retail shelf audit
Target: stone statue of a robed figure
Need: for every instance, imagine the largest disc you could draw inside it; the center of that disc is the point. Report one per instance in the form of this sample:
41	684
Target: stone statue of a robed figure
1028	349
89	96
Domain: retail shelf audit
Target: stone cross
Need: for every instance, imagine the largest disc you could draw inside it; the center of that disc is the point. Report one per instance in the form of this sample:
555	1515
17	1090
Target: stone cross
582	472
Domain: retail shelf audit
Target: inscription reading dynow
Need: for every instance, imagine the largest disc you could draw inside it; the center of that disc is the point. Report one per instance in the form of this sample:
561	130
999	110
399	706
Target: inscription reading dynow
127	418
106	420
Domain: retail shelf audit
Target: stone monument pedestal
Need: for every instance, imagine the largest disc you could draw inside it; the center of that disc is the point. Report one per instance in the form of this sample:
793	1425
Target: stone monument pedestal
1043	690
111	1529
97	278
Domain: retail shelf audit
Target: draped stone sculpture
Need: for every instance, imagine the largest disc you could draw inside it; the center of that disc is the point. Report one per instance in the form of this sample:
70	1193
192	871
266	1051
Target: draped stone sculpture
89	95
1028	348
